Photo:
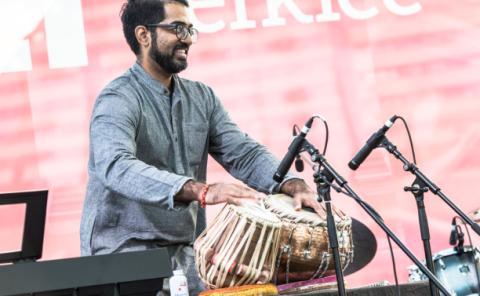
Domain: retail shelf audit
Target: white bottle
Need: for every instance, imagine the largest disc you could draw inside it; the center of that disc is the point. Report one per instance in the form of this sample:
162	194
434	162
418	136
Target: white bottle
178	284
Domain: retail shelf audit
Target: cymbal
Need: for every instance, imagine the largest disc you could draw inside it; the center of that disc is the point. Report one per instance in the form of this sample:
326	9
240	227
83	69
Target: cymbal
364	247
475	215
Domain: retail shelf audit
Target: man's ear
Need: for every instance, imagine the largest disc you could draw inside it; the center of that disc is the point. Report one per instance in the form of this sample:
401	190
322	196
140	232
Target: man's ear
143	36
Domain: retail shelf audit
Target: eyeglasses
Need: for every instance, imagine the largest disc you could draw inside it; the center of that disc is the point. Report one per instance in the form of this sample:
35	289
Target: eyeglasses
181	30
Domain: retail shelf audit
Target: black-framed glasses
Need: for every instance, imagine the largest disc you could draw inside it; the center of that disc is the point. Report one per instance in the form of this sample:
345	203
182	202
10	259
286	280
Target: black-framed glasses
181	30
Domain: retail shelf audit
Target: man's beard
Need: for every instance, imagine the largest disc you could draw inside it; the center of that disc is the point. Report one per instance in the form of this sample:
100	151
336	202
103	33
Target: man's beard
168	61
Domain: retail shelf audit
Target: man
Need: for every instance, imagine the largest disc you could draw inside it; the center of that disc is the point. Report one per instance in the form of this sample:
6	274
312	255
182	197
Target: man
150	134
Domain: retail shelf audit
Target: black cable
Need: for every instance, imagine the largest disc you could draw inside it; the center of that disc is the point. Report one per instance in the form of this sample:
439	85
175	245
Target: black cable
341	190
392	255
364	203
409	138
296	128
470	241
389	242
326	131
397	287
466	228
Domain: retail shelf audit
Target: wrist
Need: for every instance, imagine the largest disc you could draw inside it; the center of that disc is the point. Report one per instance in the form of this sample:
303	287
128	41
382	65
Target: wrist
202	198
190	191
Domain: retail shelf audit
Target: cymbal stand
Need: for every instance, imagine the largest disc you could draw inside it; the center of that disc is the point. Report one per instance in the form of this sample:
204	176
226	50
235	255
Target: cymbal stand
418	188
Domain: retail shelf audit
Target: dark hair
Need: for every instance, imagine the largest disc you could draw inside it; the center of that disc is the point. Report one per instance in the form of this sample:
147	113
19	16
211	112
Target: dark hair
142	12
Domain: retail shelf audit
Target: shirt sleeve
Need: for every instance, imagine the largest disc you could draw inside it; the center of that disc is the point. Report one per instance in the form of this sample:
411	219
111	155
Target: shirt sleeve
113	131
240	155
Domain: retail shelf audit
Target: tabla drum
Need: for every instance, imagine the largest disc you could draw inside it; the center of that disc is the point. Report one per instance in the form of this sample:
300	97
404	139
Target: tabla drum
239	248
457	270
304	252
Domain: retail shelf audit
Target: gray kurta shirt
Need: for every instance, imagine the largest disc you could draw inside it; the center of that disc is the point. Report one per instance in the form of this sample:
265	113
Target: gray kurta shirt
144	145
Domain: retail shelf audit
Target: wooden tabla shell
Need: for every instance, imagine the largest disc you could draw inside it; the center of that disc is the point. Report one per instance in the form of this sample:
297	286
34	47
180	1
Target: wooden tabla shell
239	248
304	252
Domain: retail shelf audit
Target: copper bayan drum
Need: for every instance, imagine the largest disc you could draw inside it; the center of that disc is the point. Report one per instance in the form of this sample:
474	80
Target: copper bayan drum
239	247
304	251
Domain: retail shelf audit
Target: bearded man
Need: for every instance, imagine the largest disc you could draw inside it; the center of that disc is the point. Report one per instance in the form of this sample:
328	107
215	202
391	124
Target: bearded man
150	134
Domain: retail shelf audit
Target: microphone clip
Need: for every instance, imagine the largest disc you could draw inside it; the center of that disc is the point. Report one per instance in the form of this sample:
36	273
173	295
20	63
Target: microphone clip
323	179
415	189
418	188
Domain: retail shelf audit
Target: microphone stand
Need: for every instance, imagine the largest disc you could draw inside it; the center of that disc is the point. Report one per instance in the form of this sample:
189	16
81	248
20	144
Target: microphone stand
320	159
412	168
323	180
418	188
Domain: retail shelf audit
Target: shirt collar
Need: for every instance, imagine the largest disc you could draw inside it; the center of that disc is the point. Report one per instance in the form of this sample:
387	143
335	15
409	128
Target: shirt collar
154	84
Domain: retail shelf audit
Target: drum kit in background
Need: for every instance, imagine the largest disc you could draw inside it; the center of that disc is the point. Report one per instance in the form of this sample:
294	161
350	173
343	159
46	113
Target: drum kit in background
458	267
272	242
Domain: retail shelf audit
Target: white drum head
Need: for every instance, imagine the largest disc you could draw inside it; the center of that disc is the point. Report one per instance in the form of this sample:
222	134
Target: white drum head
282	205
256	212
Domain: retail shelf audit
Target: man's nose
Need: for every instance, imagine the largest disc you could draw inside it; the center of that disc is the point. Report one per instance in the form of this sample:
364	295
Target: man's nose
188	40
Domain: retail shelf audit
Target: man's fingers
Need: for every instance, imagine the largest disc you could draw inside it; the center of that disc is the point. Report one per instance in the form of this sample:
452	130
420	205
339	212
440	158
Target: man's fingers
319	210
315	205
234	201
307	201
297	203
249	202
244	201
242	193
260	196
239	191
233	194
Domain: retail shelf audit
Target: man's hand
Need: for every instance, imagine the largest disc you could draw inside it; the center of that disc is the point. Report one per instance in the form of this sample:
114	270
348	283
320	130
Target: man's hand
303	196
232	194
219	193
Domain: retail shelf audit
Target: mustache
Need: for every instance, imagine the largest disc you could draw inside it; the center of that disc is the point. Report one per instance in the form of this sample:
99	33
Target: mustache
181	46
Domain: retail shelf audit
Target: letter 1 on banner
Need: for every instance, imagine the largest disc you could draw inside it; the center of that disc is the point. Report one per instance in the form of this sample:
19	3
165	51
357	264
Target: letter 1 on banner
65	34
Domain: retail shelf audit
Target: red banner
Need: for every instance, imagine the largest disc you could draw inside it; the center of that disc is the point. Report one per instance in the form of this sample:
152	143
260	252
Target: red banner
273	63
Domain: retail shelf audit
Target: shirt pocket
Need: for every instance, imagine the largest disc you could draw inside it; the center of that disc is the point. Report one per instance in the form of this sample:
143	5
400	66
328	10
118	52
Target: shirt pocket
196	139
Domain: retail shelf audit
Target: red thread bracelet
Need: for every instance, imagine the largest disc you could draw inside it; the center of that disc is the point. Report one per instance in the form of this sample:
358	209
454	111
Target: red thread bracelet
203	196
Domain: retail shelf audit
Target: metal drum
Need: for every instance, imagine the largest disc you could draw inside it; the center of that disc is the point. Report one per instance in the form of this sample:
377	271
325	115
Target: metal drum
304	252
457	270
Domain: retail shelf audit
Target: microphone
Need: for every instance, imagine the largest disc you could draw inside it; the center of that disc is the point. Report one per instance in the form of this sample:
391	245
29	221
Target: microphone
371	144
299	164
293	150
298	159
453	233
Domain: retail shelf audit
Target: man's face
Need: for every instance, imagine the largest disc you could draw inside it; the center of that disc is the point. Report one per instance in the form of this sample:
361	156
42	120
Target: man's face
166	50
